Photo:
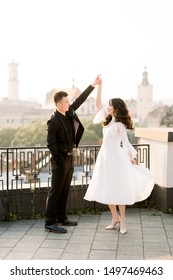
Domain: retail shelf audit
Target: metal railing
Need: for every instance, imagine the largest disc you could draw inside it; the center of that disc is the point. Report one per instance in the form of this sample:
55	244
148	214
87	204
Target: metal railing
29	168
22	167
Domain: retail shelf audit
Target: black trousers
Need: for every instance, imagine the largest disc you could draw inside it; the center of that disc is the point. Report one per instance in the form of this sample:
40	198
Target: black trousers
58	193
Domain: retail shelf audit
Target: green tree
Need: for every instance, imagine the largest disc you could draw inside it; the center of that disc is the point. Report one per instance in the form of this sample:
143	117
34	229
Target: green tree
92	133
31	135
167	119
6	136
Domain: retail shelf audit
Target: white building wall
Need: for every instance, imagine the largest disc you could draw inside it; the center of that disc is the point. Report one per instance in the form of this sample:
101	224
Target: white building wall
161	153
144	101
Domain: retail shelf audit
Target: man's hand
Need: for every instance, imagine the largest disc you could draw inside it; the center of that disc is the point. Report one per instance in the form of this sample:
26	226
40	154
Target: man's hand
97	81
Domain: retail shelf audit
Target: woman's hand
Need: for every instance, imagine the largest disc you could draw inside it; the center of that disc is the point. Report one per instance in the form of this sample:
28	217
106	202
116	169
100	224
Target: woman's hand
99	82
132	161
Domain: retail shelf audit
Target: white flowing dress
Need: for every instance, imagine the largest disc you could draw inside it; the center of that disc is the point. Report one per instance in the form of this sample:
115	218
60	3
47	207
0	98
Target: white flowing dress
115	180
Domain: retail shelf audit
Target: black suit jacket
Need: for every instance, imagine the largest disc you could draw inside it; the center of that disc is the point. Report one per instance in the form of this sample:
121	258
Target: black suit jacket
58	139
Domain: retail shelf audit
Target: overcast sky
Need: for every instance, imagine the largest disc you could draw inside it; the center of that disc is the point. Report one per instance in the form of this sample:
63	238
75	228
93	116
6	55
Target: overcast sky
55	41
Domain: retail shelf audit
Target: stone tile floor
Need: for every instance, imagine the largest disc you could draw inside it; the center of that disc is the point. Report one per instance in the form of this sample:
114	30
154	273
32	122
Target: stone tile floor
149	237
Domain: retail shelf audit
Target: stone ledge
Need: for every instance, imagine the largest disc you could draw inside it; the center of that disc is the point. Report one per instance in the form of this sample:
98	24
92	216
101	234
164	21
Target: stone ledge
159	134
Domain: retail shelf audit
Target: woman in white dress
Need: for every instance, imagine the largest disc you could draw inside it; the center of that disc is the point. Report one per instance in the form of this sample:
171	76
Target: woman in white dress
116	179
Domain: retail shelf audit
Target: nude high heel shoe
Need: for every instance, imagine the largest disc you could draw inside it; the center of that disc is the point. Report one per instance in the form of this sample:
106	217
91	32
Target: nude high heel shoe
123	226
113	224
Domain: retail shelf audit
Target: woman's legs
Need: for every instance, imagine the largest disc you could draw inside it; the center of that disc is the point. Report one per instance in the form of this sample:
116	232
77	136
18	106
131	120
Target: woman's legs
122	209
123	227
115	216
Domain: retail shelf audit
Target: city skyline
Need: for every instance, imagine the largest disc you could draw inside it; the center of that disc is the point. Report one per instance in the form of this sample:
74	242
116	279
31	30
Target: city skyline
57	41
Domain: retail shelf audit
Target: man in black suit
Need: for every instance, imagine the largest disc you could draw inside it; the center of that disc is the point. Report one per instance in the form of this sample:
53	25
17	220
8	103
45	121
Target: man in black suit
64	133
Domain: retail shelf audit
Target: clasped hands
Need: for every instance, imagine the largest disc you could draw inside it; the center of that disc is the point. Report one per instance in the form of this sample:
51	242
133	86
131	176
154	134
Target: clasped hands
98	81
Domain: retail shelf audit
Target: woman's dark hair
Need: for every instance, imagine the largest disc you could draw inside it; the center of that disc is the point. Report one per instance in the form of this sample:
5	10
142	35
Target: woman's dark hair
121	113
59	95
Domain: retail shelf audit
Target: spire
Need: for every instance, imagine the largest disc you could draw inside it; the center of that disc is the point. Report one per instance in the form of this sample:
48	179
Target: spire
145	77
73	84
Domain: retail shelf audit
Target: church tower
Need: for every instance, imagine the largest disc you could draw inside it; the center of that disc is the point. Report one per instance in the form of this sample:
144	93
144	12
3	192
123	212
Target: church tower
144	98
13	82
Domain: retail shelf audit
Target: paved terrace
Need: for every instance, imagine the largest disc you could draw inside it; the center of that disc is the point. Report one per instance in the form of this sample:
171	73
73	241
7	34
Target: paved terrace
149	236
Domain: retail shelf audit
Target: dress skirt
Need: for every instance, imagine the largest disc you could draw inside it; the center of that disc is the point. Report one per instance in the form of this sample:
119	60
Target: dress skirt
115	180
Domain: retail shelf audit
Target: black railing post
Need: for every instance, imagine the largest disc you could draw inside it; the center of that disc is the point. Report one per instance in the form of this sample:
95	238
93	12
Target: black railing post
148	165
7	169
6	199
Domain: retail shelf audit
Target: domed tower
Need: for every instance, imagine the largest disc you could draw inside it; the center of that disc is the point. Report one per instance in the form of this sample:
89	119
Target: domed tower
144	103
73	93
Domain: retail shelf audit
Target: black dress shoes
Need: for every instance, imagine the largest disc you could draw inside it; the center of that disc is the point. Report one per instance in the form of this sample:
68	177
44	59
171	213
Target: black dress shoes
68	222
54	228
